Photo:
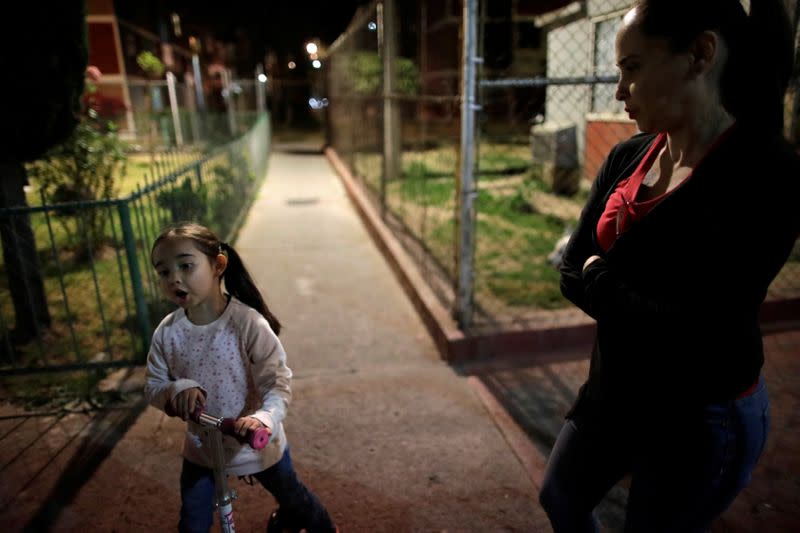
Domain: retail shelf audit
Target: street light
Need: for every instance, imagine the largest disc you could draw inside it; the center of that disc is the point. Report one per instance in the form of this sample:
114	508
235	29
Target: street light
316	63
262	78
311	48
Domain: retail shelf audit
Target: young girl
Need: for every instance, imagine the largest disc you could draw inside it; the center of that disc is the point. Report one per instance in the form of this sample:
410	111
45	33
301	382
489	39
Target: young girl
219	351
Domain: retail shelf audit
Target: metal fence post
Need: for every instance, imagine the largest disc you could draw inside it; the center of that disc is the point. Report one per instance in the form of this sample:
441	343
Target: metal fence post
467	190
198	172
391	116
173	105
142	311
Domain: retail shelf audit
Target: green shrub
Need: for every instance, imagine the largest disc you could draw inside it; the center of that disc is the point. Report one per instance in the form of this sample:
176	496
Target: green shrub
185	202
83	168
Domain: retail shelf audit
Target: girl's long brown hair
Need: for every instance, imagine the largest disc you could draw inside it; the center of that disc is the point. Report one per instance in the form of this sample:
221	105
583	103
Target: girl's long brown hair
238	281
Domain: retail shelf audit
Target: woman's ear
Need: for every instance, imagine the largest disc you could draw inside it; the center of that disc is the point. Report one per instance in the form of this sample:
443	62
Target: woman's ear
220	264
704	53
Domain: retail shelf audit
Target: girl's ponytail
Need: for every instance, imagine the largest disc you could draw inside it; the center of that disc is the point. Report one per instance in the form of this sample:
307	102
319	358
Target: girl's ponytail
239	284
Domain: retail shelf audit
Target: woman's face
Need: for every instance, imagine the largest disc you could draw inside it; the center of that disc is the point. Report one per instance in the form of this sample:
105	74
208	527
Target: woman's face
654	82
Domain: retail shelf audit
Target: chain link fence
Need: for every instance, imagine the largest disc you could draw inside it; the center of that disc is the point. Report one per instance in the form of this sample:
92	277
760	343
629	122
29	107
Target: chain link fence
77	289
166	114
399	134
546	119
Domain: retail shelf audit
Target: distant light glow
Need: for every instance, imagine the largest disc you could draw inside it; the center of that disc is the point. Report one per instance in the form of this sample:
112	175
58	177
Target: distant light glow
316	63
372	26
311	48
262	78
292	65
317	103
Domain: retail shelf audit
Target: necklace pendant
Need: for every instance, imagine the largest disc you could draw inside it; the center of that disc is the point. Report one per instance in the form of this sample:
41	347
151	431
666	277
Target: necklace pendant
651	178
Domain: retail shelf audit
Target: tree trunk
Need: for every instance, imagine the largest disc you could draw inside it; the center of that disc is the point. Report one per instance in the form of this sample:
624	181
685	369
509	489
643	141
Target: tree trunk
19	254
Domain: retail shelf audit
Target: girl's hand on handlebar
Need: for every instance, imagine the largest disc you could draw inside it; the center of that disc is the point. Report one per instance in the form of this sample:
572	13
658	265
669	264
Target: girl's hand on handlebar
185	402
247	423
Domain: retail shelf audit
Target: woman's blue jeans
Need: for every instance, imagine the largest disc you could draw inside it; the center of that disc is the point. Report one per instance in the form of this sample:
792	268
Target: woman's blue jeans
683	473
299	506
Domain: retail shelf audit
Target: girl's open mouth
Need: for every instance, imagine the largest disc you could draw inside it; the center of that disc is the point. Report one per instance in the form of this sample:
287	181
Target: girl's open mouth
181	295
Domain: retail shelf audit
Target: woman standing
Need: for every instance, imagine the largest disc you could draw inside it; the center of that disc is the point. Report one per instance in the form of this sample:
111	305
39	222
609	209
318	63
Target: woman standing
685	228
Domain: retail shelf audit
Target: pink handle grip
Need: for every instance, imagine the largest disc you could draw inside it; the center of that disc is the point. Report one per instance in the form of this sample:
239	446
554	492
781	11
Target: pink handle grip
256	438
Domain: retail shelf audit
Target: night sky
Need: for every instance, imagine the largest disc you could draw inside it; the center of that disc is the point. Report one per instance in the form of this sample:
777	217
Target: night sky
280	25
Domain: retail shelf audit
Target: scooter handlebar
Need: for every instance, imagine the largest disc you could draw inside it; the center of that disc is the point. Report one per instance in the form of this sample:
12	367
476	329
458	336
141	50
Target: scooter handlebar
255	438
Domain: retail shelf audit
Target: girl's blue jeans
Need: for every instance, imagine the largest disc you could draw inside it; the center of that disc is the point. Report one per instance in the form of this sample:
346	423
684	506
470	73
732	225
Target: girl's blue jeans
683	473
299	506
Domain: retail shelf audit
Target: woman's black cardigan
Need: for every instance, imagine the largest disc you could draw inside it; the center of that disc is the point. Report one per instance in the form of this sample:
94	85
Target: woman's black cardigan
677	297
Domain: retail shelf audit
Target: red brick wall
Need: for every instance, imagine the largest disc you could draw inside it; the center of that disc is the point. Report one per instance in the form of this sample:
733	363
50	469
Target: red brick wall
103	47
100	7
601	136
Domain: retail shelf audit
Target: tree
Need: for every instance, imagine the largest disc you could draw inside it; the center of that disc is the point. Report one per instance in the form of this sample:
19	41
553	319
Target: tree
44	79
365	74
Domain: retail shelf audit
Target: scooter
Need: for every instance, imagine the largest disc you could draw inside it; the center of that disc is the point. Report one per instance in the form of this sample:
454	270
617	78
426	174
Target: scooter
257	439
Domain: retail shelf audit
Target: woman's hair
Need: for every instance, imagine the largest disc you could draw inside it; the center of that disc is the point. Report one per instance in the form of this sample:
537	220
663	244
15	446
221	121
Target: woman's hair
760	49
237	280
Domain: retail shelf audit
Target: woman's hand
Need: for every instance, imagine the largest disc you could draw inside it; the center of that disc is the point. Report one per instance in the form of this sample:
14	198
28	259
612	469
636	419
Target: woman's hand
589	261
186	402
247	423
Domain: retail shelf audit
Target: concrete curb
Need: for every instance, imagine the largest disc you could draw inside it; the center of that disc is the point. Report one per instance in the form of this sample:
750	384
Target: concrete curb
449	340
533	461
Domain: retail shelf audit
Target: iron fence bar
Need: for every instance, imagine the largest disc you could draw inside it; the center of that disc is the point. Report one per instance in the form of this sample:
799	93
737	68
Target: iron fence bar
142	311
74	338
199	174
121	271
90	250
140	223
163	216
541	81
153	222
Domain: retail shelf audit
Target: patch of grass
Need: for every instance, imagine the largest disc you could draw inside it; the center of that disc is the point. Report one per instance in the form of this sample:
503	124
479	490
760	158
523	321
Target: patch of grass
511	265
501	158
517	210
426	192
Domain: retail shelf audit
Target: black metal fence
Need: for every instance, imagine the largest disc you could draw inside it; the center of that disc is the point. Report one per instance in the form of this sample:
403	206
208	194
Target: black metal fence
85	294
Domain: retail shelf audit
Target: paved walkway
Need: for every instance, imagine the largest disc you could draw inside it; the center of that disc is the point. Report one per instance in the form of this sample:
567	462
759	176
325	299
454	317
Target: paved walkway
390	437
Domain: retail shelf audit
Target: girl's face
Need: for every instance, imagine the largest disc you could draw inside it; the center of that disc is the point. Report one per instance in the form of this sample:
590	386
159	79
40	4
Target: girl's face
187	276
654	82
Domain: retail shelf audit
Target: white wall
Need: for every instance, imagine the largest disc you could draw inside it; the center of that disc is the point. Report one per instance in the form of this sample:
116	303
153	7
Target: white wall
569	54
